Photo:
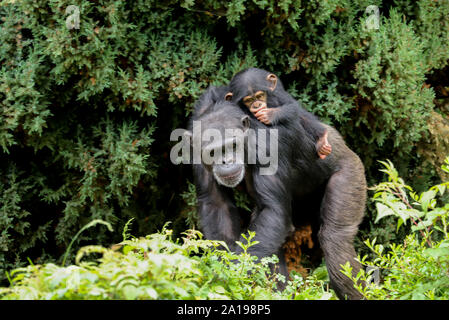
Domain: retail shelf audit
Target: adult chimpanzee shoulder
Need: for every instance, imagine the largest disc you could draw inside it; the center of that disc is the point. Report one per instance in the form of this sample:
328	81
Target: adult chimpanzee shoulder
332	190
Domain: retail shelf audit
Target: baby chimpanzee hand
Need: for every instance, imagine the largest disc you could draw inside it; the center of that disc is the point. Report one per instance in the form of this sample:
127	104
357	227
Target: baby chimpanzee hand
323	147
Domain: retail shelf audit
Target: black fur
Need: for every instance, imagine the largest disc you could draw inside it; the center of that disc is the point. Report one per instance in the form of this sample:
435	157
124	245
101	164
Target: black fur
249	81
332	190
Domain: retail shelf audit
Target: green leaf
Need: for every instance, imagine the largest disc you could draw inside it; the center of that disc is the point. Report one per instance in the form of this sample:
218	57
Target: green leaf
441	252
220	289
426	198
383	211
151	292
130	292
87	226
399	224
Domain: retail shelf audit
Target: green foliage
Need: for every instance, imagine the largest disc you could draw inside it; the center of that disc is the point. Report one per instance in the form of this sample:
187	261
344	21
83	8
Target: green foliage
156	267
418	268
190	212
85	114
392	75
87	226
242	200
18	234
432	27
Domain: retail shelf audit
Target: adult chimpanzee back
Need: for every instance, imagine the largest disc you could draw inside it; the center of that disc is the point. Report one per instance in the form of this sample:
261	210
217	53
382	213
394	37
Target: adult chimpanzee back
333	190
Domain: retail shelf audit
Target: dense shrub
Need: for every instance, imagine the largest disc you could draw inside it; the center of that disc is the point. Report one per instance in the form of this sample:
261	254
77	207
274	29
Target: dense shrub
85	114
418	268
156	267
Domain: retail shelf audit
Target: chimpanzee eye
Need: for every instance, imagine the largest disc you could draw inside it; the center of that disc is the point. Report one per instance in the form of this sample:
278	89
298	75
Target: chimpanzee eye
260	96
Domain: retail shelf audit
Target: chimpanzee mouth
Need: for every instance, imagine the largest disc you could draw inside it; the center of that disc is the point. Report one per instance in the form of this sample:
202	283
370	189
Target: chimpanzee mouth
233	179
232	176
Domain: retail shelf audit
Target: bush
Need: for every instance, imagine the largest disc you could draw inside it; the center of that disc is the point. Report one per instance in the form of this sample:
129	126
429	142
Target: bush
419	267
86	114
156	267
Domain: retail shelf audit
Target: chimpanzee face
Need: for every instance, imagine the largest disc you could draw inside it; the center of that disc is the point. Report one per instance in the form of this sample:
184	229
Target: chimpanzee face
222	137
256	101
227	153
250	88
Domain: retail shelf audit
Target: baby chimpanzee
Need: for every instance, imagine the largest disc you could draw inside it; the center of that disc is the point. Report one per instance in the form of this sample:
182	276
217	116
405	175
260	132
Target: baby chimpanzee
263	94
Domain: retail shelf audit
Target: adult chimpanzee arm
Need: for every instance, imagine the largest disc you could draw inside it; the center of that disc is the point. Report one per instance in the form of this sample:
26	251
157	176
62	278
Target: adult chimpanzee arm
219	218
271	220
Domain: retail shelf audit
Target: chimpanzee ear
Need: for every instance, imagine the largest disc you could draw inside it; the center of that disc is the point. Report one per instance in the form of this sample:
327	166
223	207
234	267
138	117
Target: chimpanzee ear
245	122
273	80
228	96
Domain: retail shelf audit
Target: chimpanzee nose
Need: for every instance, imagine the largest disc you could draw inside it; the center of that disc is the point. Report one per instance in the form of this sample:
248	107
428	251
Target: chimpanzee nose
257	104
229	169
228	158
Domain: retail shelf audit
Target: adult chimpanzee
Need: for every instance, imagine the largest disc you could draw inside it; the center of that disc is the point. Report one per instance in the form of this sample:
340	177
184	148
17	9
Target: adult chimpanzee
263	94
333	190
